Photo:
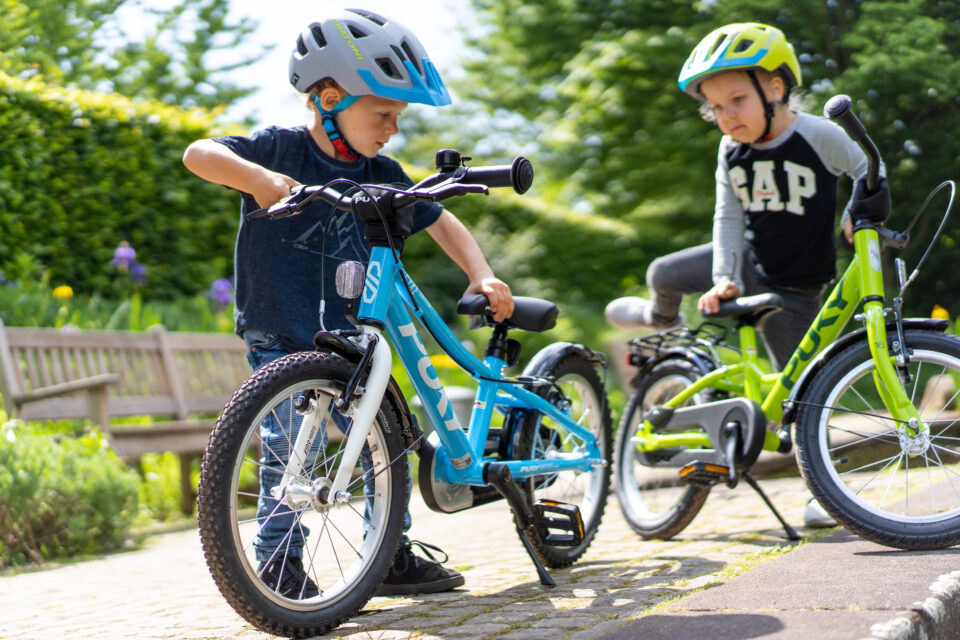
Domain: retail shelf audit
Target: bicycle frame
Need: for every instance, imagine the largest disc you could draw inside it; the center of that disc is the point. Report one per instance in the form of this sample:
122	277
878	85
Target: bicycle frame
862	281
389	298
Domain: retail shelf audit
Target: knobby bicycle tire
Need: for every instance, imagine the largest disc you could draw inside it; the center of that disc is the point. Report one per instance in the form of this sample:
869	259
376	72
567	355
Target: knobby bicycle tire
347	549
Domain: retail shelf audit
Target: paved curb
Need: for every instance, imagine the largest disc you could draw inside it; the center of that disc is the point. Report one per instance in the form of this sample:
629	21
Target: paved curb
839	587
935	617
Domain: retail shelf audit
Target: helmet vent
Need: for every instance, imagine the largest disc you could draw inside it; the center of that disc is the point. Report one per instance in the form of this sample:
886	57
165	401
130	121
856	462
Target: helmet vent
389	68
369	15
317	37
301	48
743	45
357	31
716	45
410	56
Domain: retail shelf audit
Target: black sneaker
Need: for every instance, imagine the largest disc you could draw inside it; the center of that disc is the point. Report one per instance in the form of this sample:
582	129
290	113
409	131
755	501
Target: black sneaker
412	574
287	578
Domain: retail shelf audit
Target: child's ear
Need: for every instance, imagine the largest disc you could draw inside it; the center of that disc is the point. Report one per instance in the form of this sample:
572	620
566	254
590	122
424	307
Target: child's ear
777	89
331	96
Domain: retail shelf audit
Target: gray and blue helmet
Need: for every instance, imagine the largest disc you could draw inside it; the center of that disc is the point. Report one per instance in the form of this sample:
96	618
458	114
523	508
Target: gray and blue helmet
366	54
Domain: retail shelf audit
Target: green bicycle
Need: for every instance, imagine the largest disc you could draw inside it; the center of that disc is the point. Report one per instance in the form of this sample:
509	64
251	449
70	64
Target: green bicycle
874	412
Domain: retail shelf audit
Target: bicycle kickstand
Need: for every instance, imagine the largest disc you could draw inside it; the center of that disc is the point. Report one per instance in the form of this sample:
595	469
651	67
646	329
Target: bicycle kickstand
790	531
733	446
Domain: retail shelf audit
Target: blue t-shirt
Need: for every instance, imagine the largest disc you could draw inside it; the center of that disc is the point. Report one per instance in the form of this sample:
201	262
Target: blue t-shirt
277	263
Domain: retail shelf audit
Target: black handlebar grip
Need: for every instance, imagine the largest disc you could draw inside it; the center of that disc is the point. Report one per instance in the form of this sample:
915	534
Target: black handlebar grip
838	109
521	174
518	175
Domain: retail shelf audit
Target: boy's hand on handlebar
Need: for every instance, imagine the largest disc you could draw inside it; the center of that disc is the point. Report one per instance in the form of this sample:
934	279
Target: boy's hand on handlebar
272	188
498	294
710	301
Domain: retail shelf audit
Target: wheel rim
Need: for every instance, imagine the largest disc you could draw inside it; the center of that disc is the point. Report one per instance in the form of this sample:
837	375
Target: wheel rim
652	493
340	541
583	489
875	463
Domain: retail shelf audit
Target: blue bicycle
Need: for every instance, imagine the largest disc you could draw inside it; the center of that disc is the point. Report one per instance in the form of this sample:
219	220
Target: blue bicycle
340	470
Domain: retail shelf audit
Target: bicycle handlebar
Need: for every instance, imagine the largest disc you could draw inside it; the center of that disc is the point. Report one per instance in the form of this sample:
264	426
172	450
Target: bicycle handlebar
838	109
451	180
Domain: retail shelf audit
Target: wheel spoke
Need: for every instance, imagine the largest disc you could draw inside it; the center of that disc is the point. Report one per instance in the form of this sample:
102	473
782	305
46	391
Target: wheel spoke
873	464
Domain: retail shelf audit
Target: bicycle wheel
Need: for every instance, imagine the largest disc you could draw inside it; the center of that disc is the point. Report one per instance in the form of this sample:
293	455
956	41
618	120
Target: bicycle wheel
346	548
654	502
866	469
579	388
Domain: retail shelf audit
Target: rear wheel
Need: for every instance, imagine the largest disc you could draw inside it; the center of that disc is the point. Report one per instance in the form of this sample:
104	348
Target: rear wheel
652	498
579	391
347	545
876	477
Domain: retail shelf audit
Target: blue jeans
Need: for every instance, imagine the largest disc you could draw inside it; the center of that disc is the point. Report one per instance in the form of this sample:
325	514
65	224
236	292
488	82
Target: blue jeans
280	528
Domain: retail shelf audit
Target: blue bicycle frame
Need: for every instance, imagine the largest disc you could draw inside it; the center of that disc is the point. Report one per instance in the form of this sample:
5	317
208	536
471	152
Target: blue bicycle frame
387	302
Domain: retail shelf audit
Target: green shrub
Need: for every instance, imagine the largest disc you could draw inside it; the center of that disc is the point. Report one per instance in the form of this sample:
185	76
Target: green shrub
61	495
83	171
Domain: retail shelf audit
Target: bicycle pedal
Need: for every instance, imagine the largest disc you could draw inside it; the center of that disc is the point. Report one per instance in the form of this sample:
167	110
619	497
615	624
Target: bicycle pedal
551	516
704	473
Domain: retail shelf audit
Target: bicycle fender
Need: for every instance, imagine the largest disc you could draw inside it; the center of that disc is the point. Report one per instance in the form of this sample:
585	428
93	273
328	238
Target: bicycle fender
544	359
697	357
844	341
338	345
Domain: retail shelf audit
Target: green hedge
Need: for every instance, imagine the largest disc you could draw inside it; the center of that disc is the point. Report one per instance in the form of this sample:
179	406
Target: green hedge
83	171
61	496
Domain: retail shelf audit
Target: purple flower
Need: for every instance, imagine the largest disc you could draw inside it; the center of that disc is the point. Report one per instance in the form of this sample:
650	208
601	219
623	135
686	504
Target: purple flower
138	272
124	257
221	292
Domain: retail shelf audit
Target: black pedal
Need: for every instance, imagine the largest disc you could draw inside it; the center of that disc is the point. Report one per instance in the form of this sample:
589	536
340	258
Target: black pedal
552	515
704	473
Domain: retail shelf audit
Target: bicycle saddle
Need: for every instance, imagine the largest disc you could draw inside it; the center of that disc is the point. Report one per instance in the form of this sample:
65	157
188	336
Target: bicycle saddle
748	308
529	314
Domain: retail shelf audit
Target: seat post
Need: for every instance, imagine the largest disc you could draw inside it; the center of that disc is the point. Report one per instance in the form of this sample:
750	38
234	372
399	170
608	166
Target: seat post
497	346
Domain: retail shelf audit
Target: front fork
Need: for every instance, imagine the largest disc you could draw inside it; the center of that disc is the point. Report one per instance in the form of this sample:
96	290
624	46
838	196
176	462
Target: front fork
885	377
364	412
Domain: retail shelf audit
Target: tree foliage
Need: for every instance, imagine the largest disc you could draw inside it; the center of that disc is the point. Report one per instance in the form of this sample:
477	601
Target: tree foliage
83	44
599	77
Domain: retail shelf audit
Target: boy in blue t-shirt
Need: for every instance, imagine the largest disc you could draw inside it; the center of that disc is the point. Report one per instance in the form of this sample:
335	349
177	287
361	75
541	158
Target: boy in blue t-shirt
359	70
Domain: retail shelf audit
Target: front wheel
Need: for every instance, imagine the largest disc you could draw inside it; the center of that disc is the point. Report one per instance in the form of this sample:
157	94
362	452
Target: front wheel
297	562
579	392
876	477
654	501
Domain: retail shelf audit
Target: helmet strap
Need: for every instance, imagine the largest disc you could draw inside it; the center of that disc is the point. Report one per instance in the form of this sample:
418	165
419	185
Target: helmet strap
767	107
329	122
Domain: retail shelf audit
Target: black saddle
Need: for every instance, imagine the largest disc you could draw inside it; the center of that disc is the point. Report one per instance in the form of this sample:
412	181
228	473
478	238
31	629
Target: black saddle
529	314
749	309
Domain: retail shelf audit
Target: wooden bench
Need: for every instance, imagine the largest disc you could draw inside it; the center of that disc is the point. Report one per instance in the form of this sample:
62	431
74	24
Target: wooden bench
180	380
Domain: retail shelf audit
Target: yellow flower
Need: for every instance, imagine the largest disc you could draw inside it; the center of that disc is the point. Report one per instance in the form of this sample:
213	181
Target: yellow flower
63	291
939	313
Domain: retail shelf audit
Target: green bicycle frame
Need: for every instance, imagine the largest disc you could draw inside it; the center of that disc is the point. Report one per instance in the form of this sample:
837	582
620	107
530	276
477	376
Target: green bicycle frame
861	282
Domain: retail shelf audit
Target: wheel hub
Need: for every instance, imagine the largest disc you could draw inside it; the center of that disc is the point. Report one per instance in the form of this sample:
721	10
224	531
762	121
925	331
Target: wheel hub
914	444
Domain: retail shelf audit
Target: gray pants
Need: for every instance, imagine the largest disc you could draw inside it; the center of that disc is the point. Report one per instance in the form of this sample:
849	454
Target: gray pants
690	271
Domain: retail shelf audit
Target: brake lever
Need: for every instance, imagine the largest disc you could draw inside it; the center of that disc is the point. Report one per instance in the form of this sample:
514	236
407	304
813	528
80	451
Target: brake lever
892	238
283	208
448	189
